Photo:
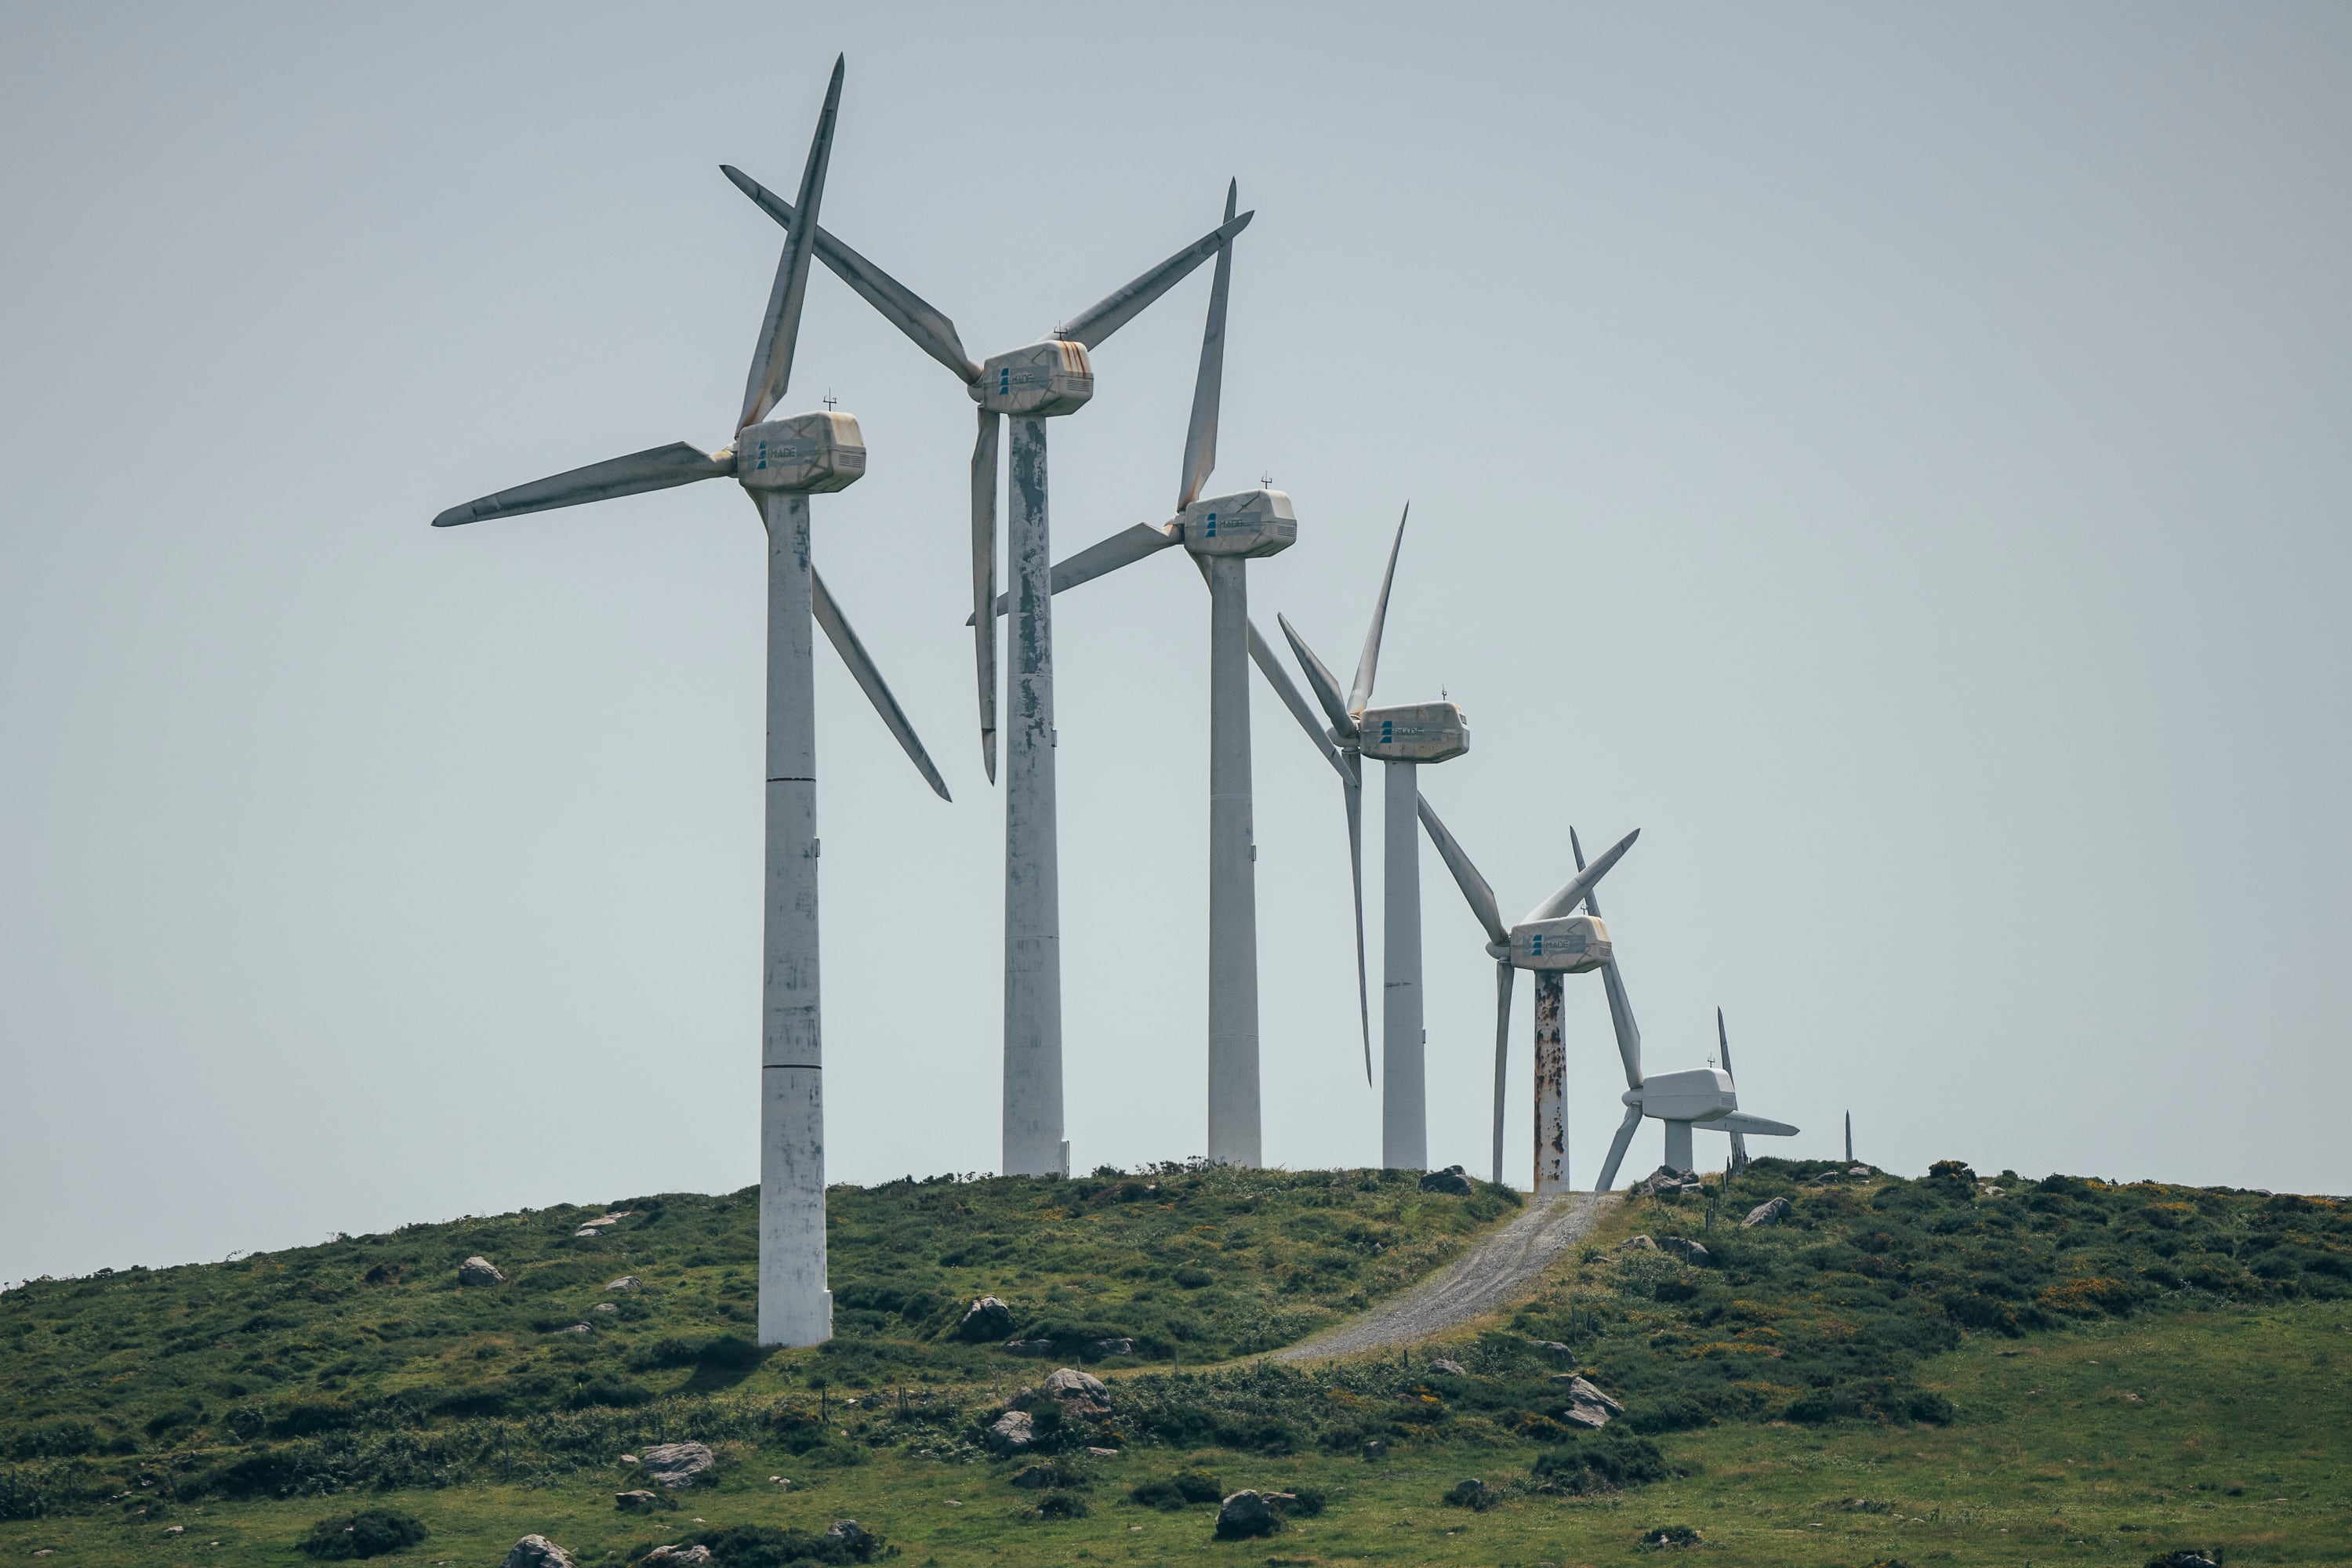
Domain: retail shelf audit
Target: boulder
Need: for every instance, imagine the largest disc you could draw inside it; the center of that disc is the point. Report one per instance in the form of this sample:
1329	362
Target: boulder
1863	1171
1689	1251
1097	1349
1035	1477
632	1501
1454	1181
1474	1494
603	1307
1246	1514
1587	1405
1666	1179
1442	1367
1637	1244
1552	1345
986	1318
1772	1213
480	1271
538	1551
1080	1393
1012	1433
678	1556
678	1464
626	1282
859	1540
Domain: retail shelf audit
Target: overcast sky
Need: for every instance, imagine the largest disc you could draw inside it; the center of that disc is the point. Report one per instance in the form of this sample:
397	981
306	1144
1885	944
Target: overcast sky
1895	457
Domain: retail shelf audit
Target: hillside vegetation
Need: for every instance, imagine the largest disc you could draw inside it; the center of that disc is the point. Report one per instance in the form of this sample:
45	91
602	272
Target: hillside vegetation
1954	1367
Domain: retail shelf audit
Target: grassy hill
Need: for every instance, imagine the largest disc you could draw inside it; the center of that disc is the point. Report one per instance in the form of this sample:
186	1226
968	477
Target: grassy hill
1940	1371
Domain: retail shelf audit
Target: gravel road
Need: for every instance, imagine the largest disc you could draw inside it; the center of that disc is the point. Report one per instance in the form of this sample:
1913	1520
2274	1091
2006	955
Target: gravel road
1476	1283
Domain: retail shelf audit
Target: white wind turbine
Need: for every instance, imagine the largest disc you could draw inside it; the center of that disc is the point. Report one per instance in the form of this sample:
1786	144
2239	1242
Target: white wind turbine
1405	738
1551	941
1222	533
1040	381
1703	1096
780	463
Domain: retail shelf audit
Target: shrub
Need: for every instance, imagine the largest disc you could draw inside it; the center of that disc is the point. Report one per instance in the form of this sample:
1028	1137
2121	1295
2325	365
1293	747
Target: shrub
1063	1505
1667	1535
765	1546
1183	1487
1609	1460
371	1533
1472	1493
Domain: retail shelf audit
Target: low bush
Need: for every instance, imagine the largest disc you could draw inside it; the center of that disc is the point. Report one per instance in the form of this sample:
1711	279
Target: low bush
1474	1494
371	1533
1611	1459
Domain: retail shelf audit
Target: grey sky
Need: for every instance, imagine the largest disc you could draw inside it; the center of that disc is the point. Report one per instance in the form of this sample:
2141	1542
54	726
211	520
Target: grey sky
1895	457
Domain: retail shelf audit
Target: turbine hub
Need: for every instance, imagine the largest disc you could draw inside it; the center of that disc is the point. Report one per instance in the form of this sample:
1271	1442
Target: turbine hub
1255	522
810	454
1042	379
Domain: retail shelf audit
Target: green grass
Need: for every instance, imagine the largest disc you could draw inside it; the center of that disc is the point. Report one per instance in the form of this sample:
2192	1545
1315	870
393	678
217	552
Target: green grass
2059	1370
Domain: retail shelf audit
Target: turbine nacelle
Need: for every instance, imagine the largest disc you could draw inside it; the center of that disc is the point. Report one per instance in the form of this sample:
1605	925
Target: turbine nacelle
1571	944
1040	379
1698	1095
810	454
1253	523
1420	732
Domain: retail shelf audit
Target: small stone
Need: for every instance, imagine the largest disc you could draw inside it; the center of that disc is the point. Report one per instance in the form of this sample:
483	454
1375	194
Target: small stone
1689	1251
603	1307
1030	1347
1442	1367
678	1556
853	1535
628	1458
1453	1181
591	1232
480	1271
1246	1514
574	1329
1098	1349
1772	1213
1103	1453
176	1530
1012	1433
679	1464
626	1282
1375	1450
1636	1244
538	1551
986	1318
1863	1171
632	1501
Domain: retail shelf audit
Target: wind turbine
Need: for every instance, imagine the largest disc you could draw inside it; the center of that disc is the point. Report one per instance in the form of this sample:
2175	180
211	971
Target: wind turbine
1703	1096
1552	941
780	463
1044	380
1405	738
1223	534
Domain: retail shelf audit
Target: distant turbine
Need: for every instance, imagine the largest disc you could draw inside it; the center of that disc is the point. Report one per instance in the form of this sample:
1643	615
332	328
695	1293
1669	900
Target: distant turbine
1044	380
779	463
1552	941
1404	738
1703	1097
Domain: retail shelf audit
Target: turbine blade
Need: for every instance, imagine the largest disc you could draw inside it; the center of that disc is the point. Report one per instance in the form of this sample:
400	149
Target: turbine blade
1262	653
861	667
1369	663
1723	1043
1355	793
1319	678
654	469
1620	1021
1502	1053
1465	876
772	362
1576	849
1124	548
1577	889
1740	1122
1617	1147
1104	317
984	580
1201	440
900	305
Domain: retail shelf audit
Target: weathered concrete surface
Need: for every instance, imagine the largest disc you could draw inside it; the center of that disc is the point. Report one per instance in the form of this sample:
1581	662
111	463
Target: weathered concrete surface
1492	1273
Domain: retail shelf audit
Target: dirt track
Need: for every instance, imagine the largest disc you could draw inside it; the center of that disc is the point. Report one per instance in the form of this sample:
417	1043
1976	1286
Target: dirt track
1475	1284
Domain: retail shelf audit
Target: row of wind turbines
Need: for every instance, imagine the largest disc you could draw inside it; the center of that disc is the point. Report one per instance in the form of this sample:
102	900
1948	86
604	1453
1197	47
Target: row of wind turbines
782	462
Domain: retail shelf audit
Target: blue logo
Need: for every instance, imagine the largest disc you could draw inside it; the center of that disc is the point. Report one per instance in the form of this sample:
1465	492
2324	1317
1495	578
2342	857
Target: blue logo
763	457
1213	525
1004	379
1539	944
1388	730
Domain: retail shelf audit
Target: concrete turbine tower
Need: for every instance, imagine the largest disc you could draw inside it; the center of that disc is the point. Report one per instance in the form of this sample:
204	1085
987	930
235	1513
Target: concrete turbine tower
1222	533
1044	380
1704	1097
1405	738
780	463
1552	941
